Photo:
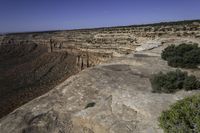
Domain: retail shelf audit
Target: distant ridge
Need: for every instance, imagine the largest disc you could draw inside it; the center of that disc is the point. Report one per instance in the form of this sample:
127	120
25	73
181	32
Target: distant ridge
99	28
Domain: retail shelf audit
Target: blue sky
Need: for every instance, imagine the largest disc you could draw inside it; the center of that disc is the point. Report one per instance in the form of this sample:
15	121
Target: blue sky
39	15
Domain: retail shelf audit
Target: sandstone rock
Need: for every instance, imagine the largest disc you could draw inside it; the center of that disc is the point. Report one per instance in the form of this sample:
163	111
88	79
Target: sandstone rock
120	88
121	91
148	45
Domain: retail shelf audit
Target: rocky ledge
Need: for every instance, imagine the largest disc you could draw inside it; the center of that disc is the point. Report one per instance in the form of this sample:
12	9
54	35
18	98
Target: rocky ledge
115	97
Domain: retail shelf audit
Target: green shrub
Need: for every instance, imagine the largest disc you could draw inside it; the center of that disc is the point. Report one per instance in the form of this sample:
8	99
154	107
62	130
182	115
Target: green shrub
192	58
191	83
183	55
182	117
173	81
168	52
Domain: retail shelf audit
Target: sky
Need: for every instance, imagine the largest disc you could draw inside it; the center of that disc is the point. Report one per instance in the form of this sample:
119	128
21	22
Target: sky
43	15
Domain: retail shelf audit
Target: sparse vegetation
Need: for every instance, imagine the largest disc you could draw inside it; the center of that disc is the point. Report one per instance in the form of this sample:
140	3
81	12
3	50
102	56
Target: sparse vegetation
183	55
173	81
182	117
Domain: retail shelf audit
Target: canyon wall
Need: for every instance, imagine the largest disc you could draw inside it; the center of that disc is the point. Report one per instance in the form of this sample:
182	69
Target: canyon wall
92	46
34	63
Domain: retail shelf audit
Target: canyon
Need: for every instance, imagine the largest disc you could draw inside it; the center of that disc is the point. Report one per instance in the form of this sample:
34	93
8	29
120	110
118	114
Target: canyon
88	80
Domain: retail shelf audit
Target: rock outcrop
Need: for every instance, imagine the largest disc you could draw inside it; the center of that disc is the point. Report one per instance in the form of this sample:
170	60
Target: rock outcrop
120	90
112	97
116	40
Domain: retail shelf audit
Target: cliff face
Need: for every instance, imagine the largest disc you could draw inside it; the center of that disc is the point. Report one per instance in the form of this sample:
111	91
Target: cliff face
112	97
28	70
117	40
109	98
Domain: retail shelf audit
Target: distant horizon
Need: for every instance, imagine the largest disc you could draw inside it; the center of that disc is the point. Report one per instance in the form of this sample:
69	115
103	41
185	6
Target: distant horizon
49	15
85	28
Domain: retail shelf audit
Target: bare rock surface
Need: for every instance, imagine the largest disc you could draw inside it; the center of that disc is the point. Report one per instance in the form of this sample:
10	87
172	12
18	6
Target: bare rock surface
114	97
122	95
148	45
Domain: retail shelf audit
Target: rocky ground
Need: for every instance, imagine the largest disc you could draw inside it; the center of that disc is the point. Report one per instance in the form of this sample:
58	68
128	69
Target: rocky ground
113	97
120	90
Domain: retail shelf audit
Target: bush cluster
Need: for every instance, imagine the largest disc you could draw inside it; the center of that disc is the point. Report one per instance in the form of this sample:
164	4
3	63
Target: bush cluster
183	55
173	81
182	117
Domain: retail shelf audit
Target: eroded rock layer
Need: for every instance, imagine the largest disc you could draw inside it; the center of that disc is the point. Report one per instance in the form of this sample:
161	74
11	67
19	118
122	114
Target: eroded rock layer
113	97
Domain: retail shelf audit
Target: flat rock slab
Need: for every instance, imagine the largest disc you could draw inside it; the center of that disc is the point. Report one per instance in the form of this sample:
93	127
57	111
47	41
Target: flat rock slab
121	91
148	45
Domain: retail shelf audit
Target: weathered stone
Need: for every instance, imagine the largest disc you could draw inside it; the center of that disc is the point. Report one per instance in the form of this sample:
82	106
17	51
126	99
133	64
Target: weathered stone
120	88
121	91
